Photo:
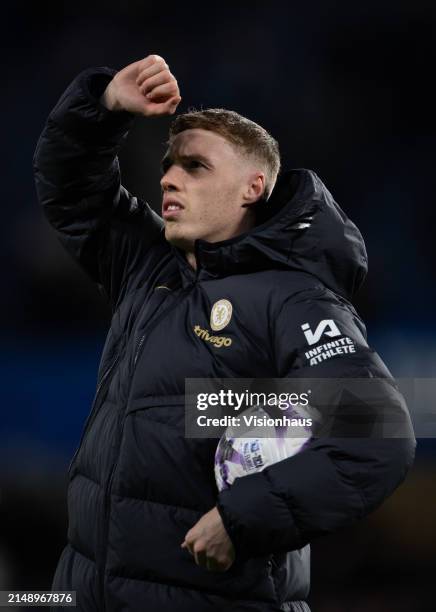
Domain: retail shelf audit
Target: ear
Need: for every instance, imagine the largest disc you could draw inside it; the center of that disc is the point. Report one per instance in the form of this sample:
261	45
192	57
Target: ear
254	188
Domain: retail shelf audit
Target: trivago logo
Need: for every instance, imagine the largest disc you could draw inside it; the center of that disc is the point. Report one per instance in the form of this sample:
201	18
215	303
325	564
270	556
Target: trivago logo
218	341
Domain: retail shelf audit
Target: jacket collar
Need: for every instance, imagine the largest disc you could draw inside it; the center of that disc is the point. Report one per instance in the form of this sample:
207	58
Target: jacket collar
300	228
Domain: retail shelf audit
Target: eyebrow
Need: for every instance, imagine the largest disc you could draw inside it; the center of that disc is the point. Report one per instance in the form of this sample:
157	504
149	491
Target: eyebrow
168	160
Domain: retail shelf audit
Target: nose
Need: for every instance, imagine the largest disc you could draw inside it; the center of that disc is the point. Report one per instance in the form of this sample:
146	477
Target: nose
170	181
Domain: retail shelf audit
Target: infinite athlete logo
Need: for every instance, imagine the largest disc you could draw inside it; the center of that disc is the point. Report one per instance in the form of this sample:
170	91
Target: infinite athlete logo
318	354
220	315
322	327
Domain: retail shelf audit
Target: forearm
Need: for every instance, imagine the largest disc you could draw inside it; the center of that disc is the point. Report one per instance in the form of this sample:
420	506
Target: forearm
106	229
76	152
341	476
325	488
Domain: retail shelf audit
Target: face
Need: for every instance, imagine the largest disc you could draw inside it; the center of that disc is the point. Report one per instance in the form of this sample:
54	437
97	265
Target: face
205	184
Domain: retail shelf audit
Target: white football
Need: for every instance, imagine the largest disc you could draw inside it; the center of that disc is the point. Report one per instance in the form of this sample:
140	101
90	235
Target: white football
245	450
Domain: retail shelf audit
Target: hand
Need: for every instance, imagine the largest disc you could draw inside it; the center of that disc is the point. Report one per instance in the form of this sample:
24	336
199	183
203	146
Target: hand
144	88
209	543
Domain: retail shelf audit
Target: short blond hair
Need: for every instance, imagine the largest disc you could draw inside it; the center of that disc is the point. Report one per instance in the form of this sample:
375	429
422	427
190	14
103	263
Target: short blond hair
245	134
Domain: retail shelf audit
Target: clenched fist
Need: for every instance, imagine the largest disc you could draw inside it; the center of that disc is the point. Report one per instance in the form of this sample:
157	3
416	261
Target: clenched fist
144	88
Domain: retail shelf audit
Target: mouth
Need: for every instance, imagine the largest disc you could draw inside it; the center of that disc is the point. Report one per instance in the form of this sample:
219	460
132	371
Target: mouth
171	208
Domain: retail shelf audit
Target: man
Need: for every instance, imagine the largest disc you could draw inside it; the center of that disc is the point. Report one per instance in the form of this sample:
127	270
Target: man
147	527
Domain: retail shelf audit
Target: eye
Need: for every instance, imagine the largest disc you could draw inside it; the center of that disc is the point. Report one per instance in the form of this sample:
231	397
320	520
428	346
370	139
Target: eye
165	166
194	164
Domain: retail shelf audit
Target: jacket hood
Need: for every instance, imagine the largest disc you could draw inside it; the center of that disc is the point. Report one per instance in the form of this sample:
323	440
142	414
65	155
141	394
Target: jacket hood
301	227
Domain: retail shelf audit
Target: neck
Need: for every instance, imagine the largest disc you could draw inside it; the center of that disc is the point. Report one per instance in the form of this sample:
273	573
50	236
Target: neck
245	225
190	256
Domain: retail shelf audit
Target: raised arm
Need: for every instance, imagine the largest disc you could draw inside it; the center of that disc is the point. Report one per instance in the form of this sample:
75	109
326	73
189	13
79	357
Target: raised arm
105	228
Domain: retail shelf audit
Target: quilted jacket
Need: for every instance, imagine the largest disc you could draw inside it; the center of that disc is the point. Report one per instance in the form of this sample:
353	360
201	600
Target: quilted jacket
137	484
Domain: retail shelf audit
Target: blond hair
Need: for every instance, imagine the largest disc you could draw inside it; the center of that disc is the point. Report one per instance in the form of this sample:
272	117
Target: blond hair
252	139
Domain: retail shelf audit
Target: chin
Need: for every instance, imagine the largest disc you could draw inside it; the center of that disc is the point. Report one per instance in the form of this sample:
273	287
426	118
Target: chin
179	239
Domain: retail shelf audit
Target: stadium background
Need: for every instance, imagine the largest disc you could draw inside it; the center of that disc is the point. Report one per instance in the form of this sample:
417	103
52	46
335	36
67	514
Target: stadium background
346	89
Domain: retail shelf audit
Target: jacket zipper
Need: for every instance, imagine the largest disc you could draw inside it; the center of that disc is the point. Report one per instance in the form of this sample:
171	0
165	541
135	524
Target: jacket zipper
138	349
94	410
121	420
142	338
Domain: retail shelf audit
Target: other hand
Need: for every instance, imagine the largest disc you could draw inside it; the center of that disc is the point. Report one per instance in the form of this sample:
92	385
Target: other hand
209	543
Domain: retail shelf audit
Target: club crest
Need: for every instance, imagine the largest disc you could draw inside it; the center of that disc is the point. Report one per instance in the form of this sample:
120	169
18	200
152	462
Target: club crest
220	315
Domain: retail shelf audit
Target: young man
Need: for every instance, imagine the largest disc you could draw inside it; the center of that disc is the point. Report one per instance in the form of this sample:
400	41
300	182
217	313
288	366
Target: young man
147	527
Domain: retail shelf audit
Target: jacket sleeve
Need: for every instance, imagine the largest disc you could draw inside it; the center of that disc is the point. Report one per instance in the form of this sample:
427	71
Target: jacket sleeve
106	229
336	479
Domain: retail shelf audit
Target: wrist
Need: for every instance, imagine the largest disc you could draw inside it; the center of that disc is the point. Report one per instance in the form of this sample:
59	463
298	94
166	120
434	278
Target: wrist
109	99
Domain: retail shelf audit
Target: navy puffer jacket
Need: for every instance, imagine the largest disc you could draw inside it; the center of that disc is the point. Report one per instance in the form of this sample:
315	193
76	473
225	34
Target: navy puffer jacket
136	483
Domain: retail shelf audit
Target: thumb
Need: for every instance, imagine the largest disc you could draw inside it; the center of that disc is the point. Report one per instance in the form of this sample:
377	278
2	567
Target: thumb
172	104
